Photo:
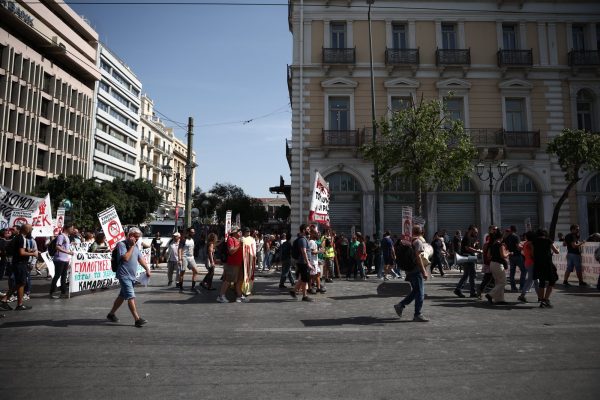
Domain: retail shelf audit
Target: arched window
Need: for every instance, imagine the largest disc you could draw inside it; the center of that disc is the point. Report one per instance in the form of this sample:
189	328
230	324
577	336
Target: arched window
519	203
585	110
465	185
593	185
518	183
399	183
343	182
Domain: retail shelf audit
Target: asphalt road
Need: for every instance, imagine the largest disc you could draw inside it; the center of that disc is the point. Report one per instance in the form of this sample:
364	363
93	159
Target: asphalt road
348	344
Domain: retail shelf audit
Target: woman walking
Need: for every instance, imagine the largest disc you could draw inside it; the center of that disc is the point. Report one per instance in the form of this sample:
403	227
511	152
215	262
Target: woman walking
210	262
544	270
498	256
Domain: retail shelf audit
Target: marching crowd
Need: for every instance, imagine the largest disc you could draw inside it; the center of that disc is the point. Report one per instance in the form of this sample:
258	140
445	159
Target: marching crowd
308	262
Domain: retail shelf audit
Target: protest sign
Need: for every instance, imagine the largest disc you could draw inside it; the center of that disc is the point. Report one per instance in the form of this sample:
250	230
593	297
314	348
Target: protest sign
590	268
3	222
227	223
50	265
111	225
20	217
59	222
407	222
238	221
91	271
11	200
79	247
319	205
42	223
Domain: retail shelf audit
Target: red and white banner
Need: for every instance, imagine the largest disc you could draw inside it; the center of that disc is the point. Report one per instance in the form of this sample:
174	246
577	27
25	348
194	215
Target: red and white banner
42	223
111	226
20	217
407	222
11	200
319	205
59	222
227	223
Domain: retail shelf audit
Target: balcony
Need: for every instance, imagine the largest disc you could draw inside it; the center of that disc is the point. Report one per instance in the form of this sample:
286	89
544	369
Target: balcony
147	142
339	138
515	58
452	57
521	139
485	137
344	56
288	153
289	81
584	58
144	160
400	57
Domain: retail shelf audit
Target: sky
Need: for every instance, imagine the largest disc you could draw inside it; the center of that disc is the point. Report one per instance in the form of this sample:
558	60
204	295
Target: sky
225	66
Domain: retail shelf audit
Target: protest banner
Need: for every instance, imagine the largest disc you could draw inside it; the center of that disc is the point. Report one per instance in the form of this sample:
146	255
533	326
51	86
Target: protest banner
319	205
227	223
79	247
91	271
42	223
3	222
50	265
11	200
111	225
59	222
20	217
590	268
407	222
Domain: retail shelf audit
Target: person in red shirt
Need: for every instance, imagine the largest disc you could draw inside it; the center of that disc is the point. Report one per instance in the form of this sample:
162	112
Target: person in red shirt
232	270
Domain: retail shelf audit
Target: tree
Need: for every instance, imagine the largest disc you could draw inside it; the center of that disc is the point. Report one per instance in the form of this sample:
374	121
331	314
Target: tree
423	145
225	196
283	213
577	150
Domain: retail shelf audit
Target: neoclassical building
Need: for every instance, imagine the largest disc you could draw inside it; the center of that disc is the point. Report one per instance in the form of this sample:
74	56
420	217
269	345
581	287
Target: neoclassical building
514	72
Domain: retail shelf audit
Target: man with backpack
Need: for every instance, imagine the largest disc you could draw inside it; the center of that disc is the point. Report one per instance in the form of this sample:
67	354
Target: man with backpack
130	256
232	270
416	273
286	264
19	268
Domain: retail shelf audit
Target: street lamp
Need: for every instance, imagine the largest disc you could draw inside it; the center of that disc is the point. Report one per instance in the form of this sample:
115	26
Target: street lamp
502	168
374	127
205	204
169	173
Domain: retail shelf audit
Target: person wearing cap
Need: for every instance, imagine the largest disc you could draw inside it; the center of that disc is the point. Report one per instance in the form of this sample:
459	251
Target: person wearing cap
187	260
173	257
232	270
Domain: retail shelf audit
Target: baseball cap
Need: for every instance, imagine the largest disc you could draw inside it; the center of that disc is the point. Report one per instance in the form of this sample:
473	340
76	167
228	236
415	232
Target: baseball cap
177	234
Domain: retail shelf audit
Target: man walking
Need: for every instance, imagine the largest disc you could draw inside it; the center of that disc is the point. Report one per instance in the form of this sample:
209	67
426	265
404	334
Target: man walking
573	256
61	261
129	257
20	263
232	270
468	247
515	258
416	274
389	256
302	264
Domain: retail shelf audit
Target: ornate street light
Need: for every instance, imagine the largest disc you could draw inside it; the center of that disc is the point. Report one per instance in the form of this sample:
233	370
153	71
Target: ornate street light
480	168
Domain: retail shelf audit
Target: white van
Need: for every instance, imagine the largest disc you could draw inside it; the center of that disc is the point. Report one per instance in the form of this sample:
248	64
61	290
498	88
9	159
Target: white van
166	228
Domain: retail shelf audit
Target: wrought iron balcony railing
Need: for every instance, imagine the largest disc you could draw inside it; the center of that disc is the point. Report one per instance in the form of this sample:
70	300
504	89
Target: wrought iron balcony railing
578	58
523	139
515	58
486	137
339	138
402	56
339	56
453	57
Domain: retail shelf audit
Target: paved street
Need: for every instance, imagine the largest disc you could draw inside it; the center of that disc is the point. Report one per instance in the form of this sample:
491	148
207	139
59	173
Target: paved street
349	344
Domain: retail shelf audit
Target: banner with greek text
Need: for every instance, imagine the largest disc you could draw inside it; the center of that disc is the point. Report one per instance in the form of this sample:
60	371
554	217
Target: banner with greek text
11	200
42	223
589	266
227	223
407	222
20	217
3	222
111	225
319	205
91	271
79	247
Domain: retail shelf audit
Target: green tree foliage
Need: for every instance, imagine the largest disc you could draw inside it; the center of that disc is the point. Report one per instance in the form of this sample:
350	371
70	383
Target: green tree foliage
423	145
133	200
577	150
283	213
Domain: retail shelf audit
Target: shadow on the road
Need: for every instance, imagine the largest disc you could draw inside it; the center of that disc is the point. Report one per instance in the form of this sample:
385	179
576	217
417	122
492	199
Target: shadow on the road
461	303
65	323
350	321
385	289
585	294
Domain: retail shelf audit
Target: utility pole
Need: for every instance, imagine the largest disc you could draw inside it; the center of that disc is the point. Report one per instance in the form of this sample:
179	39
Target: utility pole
189	167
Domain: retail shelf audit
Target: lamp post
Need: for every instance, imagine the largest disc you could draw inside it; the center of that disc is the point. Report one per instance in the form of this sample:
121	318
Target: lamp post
502	168
374	127
169	172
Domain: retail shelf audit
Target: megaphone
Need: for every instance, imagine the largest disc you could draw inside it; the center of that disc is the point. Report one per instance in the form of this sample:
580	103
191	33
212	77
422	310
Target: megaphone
459	260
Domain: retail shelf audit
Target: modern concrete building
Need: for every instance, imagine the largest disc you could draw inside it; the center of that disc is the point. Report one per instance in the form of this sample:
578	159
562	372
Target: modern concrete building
514	72
47	76
117	120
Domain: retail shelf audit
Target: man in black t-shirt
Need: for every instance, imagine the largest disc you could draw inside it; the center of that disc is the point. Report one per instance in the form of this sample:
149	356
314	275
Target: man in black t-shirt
20	261
468	247
573	255
302	264
513	244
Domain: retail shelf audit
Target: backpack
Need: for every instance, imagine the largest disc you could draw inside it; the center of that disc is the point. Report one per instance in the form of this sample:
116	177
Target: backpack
52	247
597	254
296	249
405	256
115	258
361	252
223	251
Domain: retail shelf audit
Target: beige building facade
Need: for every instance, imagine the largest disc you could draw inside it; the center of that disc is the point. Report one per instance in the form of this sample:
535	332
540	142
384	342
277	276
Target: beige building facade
514	72
47	76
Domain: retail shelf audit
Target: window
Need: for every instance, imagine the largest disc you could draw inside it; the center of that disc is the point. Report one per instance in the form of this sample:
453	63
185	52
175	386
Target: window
578	37
449	36
339	113
101	147
102	126
338	35
400	103
585	103
104	86
103	106
343	182
399	36
104	65
120	98
509	37
118	135
99	167
455	108
119	116
518	183
515	115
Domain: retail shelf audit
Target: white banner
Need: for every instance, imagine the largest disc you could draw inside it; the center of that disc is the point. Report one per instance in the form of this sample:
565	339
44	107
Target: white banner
91	271
407	222
11	200
79	247
59	222
227	223
319	205
3	222
50	265
20	217
42	223
111	225
589	266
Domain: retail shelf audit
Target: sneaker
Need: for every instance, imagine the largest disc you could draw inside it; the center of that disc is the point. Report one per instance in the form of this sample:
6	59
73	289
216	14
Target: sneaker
112	318
293	294
222	299
306	298
26	297
323	289
140	322
583	284
238	300
489	298
459	293
547	304
566	284
420	318
54	296
312	290
282	286
13	298
522	299
22	307
5	306
399	308
245	299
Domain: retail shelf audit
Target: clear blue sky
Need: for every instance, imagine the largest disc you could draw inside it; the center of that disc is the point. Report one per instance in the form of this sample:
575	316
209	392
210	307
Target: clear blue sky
217	64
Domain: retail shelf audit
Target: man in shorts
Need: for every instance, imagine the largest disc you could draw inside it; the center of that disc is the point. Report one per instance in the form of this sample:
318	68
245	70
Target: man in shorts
573	256
232	270
130	256
19	269
389	255
186	258
302	264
